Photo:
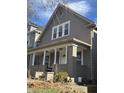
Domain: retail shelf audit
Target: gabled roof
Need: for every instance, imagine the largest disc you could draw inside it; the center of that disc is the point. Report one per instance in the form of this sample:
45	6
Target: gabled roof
38	29
32	24
90	22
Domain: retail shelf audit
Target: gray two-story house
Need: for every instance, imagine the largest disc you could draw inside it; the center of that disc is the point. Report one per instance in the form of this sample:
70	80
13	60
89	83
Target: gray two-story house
67	43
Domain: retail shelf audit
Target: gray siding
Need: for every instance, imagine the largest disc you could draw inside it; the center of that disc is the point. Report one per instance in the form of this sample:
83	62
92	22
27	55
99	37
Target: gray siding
36	68
77	28
83	71
87	63
76	69
61	67
94	55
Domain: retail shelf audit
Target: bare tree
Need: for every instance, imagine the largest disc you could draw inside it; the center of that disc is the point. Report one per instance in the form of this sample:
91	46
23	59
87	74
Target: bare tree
50	4
47	5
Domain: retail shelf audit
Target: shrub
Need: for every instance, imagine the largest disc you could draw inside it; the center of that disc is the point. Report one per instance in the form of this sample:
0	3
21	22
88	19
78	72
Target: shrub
61	77
42	77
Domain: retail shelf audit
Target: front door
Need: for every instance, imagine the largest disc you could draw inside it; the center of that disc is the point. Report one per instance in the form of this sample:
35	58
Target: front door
48	61
62	56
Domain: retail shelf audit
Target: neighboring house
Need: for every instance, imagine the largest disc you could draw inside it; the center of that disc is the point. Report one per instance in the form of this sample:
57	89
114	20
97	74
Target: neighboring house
68	43
33	32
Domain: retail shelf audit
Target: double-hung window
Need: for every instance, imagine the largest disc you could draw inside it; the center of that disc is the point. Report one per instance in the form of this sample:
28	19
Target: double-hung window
61	30
54	33
66	29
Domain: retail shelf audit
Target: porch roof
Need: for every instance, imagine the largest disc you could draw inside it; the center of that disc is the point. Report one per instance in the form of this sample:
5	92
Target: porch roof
64	41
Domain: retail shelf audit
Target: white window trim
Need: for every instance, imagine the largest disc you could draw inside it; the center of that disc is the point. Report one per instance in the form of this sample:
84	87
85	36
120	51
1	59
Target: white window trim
63	28
68	22
53	33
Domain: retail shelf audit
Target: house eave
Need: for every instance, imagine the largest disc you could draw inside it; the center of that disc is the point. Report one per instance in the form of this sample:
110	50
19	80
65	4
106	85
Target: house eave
81	42
64	41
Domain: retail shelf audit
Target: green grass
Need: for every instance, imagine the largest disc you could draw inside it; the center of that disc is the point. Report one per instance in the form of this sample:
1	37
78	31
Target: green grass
38	90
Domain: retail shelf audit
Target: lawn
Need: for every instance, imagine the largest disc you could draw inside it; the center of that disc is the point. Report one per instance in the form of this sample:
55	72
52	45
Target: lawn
38	90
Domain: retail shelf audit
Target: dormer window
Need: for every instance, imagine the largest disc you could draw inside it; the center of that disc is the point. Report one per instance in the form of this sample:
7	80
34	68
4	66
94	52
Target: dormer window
61	30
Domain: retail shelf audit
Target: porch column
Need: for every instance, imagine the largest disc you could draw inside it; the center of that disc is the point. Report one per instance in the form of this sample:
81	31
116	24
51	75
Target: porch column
44	55
33	59
55	55
74	50
72	56
30	60
66	52
74	60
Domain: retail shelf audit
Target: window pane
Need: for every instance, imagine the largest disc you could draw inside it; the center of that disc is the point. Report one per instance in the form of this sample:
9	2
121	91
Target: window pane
60	31
66	29
55	33
78	56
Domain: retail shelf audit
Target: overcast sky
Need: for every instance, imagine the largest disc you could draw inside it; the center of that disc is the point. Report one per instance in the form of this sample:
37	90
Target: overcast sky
87	8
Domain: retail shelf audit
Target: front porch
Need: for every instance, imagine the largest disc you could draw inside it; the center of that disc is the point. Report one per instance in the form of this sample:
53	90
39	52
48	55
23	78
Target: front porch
68	57
50	57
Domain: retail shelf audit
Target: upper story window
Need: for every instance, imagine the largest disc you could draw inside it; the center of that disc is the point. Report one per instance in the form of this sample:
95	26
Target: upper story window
61	30
54	33
66	26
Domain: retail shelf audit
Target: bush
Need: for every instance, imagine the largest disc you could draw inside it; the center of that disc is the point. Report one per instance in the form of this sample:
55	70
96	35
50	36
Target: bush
60	77
42	77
